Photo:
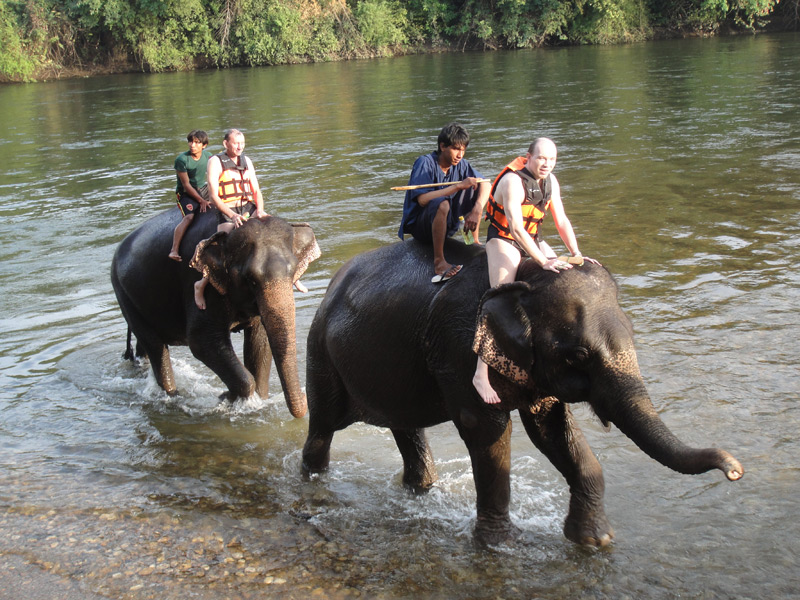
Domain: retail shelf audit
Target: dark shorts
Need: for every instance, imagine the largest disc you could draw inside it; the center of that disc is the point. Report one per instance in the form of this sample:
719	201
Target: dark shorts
246	210
493	233
460	206
189	205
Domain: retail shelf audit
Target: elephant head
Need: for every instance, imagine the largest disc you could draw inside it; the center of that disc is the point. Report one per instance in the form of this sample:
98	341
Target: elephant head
565	336
254	267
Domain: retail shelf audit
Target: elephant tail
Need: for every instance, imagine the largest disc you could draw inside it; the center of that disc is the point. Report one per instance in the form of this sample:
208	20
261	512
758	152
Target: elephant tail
128	354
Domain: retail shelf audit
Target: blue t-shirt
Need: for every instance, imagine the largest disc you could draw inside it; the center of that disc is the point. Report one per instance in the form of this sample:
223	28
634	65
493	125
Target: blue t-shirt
426	170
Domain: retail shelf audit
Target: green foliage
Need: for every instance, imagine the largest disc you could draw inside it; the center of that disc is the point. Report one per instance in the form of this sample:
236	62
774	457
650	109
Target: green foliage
40	38
381	23
609	21
15	62
530	23
269	32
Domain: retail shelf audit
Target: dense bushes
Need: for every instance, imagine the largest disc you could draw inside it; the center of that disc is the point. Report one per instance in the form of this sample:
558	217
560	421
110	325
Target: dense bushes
46	38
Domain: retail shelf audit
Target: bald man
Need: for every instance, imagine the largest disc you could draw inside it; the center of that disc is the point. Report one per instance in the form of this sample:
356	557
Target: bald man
521	195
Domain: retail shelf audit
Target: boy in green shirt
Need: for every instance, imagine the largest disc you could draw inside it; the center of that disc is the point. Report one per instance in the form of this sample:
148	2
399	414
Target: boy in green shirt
192	189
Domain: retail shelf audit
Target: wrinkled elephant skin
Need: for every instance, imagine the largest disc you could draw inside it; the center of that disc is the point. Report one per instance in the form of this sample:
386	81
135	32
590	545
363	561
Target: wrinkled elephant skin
389	348
251	272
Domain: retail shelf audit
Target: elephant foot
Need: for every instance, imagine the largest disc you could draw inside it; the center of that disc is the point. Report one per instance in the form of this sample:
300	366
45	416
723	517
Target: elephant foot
588	528
420	486
492	532
316	454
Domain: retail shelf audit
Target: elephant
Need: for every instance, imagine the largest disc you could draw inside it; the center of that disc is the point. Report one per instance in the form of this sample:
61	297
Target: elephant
388	348
251	271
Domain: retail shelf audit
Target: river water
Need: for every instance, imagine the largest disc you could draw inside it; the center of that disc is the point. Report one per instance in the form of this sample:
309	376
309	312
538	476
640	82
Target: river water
679	168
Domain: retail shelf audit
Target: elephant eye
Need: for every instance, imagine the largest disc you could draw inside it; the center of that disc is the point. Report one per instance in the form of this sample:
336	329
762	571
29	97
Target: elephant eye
577	355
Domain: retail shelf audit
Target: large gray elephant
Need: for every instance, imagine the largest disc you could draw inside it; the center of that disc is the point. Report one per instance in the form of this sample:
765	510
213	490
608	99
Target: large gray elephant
388	348
251	271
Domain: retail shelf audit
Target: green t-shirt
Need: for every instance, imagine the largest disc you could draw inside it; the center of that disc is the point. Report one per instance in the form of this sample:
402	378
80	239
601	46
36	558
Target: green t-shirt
195	169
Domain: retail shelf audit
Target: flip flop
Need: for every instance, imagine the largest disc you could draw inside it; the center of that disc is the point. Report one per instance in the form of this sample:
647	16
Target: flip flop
449	274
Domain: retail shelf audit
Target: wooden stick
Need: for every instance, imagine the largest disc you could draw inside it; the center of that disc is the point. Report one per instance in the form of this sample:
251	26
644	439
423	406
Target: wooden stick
431	185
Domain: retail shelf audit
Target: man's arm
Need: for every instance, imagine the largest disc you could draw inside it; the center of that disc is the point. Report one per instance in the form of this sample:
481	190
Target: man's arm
511	193
562	223
473	219
258	199
189	189
213	171
424	171
469	182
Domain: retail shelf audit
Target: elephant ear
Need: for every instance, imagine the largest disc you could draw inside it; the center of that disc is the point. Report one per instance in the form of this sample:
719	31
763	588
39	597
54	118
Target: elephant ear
208	260
305	248
504	334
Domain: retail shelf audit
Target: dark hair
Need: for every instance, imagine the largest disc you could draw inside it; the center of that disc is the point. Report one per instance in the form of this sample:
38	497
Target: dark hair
453	134
199	135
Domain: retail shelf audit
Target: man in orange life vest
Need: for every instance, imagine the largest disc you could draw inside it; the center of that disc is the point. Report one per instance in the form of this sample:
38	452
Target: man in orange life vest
233	188
520	197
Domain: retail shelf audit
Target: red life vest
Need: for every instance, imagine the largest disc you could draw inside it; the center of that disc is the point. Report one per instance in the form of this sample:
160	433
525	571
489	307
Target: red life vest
234	181
534	207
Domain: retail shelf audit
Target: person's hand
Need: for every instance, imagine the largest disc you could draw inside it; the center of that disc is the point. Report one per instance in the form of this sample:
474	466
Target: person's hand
204	205
472	219
237	220
592	260
261	214
556	265
469	182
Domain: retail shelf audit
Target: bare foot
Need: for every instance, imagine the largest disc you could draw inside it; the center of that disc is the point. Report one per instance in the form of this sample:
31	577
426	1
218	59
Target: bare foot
175	256
300	287
449	273
481	383
443	267
199	296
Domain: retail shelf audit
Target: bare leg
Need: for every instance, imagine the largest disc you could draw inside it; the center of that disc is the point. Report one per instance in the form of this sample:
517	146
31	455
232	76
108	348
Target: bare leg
199	293
200	286
439	231
177	236
503	263
481	382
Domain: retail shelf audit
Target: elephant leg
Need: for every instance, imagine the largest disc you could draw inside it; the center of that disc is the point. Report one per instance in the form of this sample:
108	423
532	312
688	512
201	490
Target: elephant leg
258	356
148	343
327	403
316	451
215	350
490	452
419	473
554	432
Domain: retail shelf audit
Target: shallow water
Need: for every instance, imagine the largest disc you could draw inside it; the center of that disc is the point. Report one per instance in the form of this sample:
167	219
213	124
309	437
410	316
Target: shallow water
678	162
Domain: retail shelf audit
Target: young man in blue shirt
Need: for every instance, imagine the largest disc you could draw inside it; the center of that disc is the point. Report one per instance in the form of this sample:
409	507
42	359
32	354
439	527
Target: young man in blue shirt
431	214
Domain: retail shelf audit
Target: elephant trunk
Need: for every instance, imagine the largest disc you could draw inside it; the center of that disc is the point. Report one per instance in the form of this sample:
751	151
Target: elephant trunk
637	418
276	307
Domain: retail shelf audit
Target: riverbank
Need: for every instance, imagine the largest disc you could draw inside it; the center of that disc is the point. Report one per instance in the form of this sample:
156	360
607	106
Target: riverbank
117	67
44	40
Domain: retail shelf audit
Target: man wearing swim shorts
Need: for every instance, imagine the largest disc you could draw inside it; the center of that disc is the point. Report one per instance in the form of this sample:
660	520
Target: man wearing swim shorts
520	198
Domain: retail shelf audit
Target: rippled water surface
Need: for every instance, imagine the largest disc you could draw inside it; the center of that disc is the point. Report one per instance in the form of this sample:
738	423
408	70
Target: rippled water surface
679	167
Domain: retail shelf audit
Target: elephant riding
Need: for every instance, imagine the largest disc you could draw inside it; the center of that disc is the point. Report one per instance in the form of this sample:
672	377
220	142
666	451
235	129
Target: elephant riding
251	271
389	349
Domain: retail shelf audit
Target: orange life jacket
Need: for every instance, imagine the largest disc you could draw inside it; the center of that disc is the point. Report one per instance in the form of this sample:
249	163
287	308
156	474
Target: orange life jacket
234	181
534	207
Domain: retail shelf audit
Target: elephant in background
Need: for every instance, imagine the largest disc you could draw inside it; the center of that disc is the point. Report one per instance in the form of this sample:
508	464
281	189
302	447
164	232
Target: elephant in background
251	271
388	348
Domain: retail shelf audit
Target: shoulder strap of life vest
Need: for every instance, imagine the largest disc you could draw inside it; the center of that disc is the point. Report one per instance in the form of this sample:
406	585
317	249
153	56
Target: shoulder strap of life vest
536	200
